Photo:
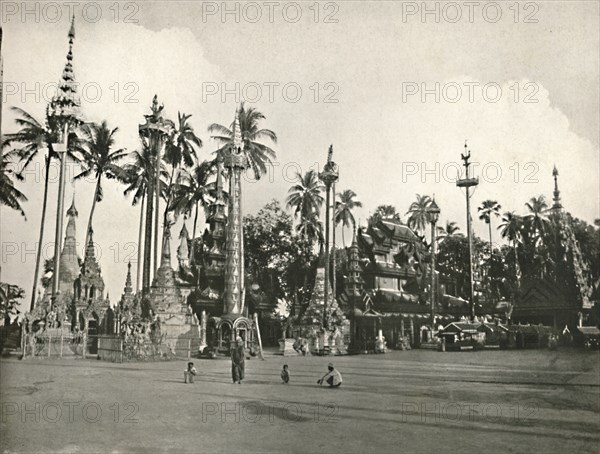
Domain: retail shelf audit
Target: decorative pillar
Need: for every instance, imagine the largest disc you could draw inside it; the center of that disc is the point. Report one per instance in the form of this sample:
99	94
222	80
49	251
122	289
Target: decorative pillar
63	112
434	213
329	176
467	183
235	161
202	331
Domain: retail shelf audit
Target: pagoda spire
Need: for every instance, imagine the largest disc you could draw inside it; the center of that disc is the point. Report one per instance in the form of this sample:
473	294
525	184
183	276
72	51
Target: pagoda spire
165	259
128	290
63	113
64	106
90	251
72	211
556	206
183	252
354	283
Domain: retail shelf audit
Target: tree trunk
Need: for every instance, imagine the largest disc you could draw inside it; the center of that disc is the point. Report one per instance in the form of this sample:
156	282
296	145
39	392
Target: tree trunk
343	238
195	222
139	254
157	145
490	228
41	237
169	193
89	226
148	237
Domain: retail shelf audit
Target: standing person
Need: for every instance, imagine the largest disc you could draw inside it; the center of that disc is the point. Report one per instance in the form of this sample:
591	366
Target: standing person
238	360
333	378
285	375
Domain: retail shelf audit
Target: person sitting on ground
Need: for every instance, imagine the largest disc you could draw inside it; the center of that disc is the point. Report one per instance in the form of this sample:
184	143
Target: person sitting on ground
189	373
333	378
285	375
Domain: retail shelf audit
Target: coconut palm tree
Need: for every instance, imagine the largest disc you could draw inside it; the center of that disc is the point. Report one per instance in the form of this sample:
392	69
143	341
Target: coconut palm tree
192	190
34	138
258	154
537	219
384	212
99	159
510	229
310	228
180	149
488	209
343	210
139	177
10	196
305	196
449	230
419	214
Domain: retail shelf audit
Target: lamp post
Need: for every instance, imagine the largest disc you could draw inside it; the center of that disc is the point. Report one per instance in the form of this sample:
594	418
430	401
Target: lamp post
434	214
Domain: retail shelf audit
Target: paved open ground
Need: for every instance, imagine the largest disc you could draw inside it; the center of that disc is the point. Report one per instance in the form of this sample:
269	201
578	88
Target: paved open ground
416	401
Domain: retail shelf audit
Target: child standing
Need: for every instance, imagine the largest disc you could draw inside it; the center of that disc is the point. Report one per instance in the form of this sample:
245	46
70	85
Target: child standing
189	373
285	375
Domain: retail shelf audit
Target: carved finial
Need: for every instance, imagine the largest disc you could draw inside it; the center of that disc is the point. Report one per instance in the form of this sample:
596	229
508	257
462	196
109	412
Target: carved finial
72	29
330	154
72	211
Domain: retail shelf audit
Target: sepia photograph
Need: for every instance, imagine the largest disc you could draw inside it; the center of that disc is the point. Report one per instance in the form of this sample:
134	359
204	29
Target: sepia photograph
359	226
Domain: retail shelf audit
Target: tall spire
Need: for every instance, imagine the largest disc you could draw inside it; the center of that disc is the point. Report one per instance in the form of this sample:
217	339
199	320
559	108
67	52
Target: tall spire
69	261
165	259
556	206
128	290
354	283
183	252
64	106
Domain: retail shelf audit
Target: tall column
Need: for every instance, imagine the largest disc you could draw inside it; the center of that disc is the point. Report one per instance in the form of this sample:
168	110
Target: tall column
155	131
61	149
235	161
329	176
434	212
333	246
63	112
467	183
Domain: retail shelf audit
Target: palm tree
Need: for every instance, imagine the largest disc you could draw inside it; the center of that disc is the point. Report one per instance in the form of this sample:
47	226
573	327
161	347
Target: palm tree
180	148
305	196
258	154
510	229
193	189
99	159
449	230
486	210
384	212
419	214
33	138
537	219
138	176
343	210
310	228
10	196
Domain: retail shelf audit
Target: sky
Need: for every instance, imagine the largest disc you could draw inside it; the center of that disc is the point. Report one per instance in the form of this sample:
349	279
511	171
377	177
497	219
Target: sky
395	87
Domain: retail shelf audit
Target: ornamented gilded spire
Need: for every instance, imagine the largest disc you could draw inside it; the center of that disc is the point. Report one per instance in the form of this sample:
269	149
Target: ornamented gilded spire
64	106
556	206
